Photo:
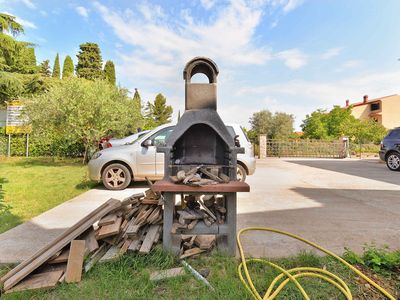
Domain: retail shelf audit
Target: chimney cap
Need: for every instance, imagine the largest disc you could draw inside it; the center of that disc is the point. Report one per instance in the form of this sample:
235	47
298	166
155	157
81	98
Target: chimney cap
365	98
347	102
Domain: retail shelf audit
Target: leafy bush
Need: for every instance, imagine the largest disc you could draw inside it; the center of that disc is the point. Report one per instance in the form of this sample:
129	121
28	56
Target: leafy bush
379	259
81	112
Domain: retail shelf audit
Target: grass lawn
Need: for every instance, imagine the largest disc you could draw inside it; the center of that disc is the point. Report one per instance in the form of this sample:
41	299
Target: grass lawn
34	185
128	278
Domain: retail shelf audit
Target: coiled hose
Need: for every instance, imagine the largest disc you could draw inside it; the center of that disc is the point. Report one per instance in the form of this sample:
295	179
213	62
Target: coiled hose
294	274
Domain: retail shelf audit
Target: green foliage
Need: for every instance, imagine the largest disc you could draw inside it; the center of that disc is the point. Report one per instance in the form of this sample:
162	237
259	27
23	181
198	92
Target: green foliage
89	62
340	122
82	111
158	113
11	86
44	68
109	72
9	25
4	208
379	259
278	125
68	67
137	100
25	61
56	67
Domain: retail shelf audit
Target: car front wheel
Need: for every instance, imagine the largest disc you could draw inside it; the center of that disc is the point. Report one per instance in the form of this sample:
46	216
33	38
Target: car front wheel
116	177
393	161
240	173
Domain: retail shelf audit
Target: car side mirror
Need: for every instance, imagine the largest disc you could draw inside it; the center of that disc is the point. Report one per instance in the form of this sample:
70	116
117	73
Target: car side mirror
147	143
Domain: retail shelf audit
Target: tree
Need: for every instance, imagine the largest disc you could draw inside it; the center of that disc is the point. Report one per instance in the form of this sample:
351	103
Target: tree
109	72
78	110
89	62
158	113
273	125
44	68
137	101
56	67
24	61
68	67
10	48
314	126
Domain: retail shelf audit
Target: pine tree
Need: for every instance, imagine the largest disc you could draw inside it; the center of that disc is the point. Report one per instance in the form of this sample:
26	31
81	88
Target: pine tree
56	67
44	68
158	113
68	67
109	72
89	62
137	100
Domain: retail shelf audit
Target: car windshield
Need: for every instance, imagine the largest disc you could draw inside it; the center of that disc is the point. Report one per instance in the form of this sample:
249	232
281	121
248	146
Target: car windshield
138	137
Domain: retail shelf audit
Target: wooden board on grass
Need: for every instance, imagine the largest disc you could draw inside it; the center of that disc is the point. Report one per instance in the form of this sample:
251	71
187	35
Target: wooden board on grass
62	258
38	281
165	274
75	261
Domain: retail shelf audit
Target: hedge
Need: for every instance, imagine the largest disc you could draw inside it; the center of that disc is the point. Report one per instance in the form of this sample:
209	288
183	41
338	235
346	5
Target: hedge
39	146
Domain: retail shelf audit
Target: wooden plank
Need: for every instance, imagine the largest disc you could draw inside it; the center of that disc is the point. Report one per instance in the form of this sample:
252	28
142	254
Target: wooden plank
165	274
110	255
91	242
38	258
150	201
133	230
110	230
191	252
60	259
149	239
232	186
38	281
75	261
96	257
107	220
124	247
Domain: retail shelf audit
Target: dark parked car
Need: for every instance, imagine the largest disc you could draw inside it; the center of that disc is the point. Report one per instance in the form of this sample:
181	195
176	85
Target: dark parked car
390	149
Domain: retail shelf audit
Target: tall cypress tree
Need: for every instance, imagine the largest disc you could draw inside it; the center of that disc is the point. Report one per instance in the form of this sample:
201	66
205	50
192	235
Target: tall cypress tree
68	67
109	72
137	100
89	62
56	67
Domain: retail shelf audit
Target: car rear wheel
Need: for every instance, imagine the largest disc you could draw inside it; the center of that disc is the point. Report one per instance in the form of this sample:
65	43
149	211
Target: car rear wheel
240	173
393	161
116	177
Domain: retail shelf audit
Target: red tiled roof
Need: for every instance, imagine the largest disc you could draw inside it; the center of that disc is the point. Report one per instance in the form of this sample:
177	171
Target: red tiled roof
371	100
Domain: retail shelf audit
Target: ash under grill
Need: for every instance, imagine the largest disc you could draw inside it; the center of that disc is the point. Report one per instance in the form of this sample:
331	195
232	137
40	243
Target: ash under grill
200	137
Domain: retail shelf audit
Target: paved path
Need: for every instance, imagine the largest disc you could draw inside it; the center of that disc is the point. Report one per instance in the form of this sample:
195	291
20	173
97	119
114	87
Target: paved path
336	203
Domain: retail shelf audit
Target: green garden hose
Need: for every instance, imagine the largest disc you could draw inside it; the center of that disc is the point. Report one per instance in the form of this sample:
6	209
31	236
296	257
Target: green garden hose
295	273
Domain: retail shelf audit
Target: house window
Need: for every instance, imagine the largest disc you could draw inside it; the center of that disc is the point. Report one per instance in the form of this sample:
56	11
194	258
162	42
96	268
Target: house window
375	106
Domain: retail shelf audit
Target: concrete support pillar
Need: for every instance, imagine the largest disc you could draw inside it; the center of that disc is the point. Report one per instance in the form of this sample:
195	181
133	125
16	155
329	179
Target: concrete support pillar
263	145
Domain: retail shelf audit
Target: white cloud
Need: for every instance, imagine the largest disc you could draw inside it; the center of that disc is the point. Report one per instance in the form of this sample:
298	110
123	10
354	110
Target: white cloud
350	64
151	12
291	5
29	4
330	53
293	58
207	4
84	12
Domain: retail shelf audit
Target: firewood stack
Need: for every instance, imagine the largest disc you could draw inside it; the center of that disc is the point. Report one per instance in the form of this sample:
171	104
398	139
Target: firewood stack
116	227
200	176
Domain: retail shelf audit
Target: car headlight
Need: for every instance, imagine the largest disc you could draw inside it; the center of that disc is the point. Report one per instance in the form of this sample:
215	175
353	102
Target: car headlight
96	155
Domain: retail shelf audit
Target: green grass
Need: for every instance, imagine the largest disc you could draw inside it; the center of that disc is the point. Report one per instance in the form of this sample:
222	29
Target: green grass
128	278
33	185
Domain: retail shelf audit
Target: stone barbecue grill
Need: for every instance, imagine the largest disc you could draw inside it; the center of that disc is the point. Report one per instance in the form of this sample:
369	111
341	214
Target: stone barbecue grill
201	138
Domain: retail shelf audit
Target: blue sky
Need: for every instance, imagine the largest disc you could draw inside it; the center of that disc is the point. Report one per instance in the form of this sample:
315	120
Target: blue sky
283	55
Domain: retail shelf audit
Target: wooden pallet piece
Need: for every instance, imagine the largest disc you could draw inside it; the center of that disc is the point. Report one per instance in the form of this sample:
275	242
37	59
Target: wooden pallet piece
154	215
138	240
150	201
133	230
132	199
191	252
38	258
75	261
62	258
107	220
142	219
149	239
165	274
124	247
109	230
96	257
38	281
91	242
110	255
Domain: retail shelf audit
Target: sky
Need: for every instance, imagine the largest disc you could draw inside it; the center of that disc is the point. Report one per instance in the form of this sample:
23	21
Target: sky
292	56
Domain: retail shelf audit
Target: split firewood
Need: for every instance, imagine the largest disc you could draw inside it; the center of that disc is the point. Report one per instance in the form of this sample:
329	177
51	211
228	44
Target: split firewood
191	252
211	175
180	175
225	178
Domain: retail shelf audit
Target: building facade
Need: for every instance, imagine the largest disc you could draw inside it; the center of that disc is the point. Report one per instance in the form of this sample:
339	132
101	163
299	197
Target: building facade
384	110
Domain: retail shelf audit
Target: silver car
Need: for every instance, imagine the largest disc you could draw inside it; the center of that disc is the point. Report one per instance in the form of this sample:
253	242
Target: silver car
118	167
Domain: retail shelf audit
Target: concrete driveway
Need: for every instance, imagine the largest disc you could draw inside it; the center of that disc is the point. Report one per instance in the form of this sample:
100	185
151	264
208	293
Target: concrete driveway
335	203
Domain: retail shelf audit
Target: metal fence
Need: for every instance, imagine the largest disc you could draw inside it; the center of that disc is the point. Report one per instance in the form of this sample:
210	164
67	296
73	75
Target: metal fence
306	148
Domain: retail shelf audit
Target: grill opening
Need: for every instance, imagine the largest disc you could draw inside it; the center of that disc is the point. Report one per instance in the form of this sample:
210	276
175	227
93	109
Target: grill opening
200	144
